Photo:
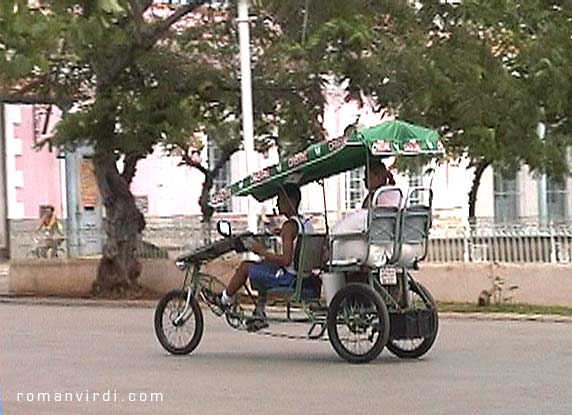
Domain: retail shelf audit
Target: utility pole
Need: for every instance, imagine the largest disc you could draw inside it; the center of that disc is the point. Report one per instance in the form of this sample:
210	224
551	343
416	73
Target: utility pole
246	91
72	201
542	183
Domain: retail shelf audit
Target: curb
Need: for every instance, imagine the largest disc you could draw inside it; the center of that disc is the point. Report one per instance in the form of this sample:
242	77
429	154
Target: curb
547	318
88	302
77	302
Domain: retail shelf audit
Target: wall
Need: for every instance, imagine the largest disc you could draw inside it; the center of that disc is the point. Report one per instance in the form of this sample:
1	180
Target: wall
541	284
538	284
74	278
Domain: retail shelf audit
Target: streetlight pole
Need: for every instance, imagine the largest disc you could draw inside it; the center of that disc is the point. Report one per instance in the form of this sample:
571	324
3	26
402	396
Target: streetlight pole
246	88
4	225
542	183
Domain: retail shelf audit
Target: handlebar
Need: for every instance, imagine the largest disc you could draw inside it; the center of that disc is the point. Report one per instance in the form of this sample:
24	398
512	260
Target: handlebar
239	243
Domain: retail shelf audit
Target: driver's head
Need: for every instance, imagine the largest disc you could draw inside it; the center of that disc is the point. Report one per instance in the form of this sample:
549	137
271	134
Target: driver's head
377	176
289	199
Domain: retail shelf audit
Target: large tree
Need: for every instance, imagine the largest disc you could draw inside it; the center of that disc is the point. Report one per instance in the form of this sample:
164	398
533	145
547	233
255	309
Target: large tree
113	64
486	73
128	81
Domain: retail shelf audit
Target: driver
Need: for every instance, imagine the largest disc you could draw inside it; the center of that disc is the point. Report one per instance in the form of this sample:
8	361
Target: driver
275	270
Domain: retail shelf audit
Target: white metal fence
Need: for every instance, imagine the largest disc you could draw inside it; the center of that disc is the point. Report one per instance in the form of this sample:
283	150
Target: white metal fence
527	241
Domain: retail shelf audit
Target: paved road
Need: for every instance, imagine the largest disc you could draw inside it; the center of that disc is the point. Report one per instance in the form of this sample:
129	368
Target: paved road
476	367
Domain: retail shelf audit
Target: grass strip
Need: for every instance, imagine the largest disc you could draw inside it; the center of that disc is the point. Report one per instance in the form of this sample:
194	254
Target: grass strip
505	308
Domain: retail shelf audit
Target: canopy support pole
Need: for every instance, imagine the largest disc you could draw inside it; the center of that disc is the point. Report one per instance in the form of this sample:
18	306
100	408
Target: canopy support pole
323	184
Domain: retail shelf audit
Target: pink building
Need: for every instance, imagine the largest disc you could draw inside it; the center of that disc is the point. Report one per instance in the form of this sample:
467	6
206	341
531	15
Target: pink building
33	177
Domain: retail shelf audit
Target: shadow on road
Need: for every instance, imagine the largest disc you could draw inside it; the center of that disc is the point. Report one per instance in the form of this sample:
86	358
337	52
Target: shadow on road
308	359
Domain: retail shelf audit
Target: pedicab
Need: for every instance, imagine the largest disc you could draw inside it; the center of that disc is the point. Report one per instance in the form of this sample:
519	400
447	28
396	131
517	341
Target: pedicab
372	299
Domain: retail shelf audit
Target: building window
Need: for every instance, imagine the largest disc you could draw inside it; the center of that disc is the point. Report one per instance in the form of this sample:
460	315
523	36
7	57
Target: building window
355	190
222	178
556	194
506	197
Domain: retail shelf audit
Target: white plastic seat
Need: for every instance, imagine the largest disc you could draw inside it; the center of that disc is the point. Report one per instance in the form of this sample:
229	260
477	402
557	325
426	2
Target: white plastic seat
415	227
369	237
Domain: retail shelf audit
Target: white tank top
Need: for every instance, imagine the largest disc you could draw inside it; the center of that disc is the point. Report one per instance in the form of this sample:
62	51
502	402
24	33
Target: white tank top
304	227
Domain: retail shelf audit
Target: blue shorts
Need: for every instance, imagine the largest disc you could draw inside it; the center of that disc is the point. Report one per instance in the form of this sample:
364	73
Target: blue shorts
264	275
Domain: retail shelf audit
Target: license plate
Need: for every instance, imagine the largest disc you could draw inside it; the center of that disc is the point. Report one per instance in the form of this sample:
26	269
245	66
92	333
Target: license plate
388	276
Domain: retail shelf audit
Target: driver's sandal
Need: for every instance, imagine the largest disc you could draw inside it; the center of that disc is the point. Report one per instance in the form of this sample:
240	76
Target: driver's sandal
256	323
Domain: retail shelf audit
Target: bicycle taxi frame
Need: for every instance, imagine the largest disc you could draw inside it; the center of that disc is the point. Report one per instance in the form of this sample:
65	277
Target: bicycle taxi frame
384	306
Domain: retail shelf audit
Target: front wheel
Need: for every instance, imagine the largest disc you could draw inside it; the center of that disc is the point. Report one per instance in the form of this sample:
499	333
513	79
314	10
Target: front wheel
412	348
179	329
358	323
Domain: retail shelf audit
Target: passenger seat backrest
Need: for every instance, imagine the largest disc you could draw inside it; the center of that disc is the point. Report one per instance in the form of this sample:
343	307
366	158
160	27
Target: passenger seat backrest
309	251
416	225
385	223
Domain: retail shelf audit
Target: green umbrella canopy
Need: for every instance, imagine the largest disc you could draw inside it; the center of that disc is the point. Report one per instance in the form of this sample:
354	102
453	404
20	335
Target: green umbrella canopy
328	158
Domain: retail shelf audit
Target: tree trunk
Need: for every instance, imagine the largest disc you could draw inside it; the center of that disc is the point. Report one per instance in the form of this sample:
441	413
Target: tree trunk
119	269
480	169
206	210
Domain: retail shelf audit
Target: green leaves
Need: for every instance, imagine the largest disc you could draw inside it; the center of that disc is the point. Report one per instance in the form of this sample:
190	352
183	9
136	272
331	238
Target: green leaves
482	72
110	6
491	72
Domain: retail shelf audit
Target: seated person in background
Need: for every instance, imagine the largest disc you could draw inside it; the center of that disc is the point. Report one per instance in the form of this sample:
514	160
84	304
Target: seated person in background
275	270
49	222
50	229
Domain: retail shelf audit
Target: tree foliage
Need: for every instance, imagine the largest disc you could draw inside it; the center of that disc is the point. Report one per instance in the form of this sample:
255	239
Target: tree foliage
491	72
484	73
112	66
129	80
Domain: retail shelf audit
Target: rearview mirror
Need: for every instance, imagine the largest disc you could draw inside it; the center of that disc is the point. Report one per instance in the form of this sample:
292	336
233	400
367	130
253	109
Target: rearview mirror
223	227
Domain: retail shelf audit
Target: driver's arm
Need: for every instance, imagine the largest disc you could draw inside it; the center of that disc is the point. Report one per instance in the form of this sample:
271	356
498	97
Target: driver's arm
288	233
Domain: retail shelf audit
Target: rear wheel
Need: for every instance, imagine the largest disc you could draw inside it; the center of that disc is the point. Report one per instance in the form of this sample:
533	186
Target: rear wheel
178	330
421	299
358	323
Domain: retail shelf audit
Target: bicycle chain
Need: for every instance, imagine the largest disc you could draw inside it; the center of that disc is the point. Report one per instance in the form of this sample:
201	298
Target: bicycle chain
288	336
